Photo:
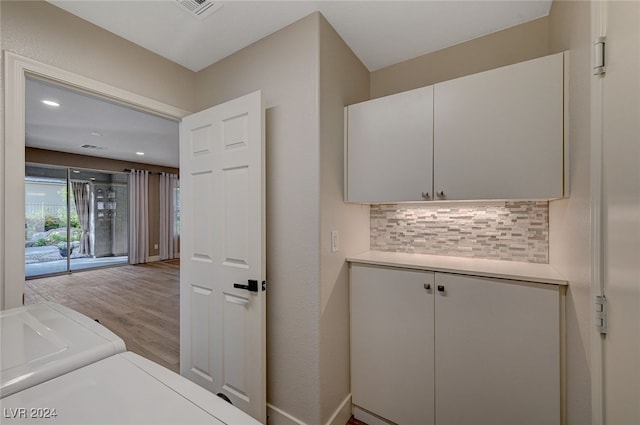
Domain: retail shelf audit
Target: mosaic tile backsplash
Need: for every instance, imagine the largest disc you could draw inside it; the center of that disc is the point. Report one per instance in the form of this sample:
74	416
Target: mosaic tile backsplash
511	231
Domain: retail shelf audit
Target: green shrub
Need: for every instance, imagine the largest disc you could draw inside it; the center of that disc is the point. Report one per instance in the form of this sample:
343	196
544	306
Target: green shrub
51	222
74	222
41	242
55	238
34	224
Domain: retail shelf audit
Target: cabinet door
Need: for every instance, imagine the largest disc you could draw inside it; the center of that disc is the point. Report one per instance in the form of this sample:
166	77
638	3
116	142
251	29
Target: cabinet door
497	352
392	343
390	148
499	134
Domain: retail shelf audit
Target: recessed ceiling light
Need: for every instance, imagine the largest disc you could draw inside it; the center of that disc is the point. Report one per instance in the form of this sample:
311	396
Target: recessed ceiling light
51	103
92	178
140	153
95	133
76	171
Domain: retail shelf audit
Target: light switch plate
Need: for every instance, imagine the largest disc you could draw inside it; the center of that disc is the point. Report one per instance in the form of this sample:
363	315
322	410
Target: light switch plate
335	243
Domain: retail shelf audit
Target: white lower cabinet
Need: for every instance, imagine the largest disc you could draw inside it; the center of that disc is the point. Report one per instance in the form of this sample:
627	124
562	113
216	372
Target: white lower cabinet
447	349
392	336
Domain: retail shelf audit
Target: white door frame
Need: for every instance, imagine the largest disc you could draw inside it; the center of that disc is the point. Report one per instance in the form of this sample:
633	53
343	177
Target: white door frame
606	372
16	69
597	251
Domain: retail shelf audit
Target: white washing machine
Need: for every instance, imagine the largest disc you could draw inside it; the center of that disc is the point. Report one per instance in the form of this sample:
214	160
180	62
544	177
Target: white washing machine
42	341
117	388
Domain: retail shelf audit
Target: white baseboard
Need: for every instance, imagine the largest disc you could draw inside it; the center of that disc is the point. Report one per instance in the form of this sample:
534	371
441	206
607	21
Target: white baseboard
368	417
277	416
153	258
342	414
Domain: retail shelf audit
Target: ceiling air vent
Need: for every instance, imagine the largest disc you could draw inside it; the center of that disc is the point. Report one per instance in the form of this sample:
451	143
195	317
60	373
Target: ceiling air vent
199	8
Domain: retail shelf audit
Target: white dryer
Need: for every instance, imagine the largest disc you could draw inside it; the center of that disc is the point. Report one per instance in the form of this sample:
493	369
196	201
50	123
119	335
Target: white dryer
121	389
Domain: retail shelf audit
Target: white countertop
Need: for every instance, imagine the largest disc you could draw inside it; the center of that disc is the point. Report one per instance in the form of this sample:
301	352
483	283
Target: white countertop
530	272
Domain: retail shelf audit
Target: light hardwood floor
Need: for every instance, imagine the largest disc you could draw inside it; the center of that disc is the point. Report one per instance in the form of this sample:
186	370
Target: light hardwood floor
140	303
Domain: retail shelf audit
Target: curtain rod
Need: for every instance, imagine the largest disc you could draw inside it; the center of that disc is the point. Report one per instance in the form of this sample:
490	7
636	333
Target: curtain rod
128	170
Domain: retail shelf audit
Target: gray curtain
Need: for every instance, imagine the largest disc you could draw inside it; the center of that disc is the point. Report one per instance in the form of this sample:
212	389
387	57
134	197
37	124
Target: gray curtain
138	216
168	237
82	201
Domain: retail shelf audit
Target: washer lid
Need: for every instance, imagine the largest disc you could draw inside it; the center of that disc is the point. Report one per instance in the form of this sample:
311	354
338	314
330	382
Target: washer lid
42	341
122	389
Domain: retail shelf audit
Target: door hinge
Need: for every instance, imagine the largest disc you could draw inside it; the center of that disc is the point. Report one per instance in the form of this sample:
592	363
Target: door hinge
601	314
264	285
599	66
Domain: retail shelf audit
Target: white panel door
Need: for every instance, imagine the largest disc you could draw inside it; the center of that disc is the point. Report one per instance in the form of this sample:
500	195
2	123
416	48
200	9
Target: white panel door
392	343
497	352
390	148
222	326
621	212
499	134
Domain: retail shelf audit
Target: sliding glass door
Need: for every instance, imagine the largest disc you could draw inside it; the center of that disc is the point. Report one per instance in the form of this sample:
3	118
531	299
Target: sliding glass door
46	220
75	219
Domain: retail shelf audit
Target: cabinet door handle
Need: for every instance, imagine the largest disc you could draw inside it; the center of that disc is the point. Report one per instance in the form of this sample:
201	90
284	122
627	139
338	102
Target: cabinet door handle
425	196
440	288
440	194
427	286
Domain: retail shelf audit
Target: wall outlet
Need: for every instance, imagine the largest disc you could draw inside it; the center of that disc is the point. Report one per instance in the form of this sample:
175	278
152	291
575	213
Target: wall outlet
335	243
155	246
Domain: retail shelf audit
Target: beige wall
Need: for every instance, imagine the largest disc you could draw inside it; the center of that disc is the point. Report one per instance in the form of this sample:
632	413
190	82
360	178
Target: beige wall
43	32
569	219
516	44
343	80
43	156
285	66
307	75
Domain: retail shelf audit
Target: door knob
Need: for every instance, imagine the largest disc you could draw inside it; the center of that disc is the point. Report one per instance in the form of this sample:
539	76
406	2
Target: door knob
251	287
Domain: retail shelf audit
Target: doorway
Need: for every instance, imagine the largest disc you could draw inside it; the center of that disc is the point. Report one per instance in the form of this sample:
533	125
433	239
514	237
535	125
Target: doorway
75	219
18	70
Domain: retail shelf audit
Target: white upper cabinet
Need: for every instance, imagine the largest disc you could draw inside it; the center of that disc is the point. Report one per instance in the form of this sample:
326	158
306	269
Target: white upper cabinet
390	148
499	134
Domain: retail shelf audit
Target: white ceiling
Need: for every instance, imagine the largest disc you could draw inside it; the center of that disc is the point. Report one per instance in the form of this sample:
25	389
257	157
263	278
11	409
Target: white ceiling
118	131
379	32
